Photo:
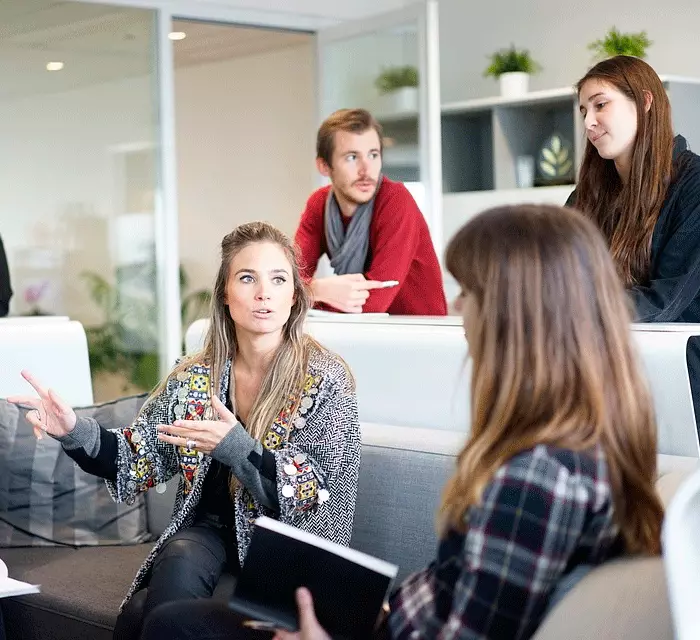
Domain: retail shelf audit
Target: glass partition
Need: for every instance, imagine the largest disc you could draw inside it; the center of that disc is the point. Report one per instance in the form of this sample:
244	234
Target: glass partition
390	66
80	131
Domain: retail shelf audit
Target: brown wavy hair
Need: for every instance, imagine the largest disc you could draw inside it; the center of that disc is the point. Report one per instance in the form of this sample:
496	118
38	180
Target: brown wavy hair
627	213
553	361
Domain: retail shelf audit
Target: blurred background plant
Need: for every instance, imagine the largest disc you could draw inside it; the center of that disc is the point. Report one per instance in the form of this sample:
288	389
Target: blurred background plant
616	43
511	60
395	78
126	343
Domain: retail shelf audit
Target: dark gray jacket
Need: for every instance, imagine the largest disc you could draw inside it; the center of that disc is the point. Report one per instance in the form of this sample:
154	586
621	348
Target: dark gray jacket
673	291
5	288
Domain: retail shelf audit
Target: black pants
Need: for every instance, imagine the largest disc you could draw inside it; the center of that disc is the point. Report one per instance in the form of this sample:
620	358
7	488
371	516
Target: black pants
188	567
198	620
208	620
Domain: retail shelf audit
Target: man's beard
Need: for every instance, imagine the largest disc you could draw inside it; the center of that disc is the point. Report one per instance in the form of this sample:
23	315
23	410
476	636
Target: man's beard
352	199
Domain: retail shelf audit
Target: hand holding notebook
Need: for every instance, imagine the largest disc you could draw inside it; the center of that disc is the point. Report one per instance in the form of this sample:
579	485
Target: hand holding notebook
348	587
309	626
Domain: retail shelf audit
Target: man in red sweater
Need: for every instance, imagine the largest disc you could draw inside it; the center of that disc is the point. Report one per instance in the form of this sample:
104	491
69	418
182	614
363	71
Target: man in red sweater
369	226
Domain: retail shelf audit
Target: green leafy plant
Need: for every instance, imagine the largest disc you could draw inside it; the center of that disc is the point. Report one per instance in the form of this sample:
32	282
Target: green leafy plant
193	305
616	43
127	340
511	60
396	78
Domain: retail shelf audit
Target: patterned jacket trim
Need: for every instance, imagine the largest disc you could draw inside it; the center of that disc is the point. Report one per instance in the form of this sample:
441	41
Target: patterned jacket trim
145	462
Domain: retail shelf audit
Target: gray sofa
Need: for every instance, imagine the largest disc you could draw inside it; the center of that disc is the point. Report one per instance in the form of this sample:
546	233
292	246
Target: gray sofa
81	588
402	475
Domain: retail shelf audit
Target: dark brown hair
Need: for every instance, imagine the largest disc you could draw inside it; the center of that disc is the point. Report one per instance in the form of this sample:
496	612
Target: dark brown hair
627	213
553	360
351	120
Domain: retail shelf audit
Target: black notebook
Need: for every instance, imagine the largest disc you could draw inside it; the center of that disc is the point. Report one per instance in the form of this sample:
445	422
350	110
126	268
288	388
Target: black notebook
348	586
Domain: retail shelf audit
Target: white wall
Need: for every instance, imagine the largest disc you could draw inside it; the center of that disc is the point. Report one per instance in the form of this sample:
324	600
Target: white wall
245	135
61	186
557	34
245	142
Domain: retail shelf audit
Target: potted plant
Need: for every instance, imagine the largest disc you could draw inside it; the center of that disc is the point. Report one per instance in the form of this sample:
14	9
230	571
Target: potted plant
616	43
401	85
513	69
123	350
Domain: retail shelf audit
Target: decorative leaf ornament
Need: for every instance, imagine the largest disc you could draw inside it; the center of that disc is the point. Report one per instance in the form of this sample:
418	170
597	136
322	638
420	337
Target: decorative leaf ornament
556	159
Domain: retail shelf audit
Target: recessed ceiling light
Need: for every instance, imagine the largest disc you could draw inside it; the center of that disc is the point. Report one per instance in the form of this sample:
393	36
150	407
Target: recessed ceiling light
177	35
54	66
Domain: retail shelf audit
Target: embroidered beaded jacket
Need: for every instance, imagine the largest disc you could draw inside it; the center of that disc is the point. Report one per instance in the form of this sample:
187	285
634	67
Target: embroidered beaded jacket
321	438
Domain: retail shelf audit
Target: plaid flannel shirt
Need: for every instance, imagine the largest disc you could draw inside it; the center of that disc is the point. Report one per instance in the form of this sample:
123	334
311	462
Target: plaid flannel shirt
546	511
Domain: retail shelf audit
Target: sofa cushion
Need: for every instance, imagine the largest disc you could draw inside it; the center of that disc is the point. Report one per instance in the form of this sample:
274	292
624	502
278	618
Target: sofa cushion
87	584
398	494
624	598
45	499
81	590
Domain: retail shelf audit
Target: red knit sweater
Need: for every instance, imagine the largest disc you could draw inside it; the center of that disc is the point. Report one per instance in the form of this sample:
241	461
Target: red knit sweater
400	249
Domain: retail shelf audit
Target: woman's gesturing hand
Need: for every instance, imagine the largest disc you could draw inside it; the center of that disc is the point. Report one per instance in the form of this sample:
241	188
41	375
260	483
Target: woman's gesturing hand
203	435
49	412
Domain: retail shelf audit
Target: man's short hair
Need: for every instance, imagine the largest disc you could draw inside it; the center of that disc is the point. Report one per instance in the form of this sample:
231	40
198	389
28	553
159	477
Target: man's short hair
351	120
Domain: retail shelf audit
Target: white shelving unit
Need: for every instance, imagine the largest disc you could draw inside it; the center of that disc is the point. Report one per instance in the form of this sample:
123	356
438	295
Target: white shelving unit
482	138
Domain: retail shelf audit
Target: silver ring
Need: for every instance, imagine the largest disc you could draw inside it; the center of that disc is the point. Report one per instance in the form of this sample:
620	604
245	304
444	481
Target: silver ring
191	444
42	426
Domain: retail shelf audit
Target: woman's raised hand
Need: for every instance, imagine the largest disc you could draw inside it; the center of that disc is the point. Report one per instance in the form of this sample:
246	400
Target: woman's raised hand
49	414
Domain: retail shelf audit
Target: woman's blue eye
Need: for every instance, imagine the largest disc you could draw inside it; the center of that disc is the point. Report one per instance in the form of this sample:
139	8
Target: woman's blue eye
247	278
279	280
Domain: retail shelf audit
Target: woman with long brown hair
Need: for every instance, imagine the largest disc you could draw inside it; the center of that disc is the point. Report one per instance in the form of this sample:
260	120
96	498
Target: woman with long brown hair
558	471
560	464
641	186
262	421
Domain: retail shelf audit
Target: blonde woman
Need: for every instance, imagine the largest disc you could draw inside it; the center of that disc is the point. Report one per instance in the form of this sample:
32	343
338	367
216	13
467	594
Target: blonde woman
263	421
558	471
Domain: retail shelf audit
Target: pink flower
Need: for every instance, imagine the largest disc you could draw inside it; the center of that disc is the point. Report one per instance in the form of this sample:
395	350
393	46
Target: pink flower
33	293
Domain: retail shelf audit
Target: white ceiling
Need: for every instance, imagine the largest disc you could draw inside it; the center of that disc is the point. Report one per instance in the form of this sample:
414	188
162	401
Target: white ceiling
96	43
208	42
100	43
318	12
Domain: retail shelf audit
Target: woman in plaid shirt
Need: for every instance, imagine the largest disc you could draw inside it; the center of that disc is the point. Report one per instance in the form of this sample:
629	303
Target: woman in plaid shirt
559	468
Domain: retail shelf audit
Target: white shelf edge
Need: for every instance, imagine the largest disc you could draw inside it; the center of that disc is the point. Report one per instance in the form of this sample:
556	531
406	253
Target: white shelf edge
478	104
681	79
398	116
485	193
533	97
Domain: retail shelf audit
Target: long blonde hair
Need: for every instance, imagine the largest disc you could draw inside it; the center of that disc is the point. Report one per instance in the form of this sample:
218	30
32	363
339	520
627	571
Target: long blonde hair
553	361
286	374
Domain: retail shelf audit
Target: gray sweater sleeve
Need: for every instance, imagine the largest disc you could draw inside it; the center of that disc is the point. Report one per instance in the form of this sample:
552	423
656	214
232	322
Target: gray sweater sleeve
247	459
85	435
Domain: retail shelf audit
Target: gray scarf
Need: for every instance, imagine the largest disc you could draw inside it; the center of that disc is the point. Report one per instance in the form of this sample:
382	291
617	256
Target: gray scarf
348	248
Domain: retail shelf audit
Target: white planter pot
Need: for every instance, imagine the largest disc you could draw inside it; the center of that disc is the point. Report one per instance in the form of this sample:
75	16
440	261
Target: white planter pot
403	100
514	84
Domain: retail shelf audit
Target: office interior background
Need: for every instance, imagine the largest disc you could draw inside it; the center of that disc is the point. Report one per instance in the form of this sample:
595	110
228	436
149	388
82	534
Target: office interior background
136	134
